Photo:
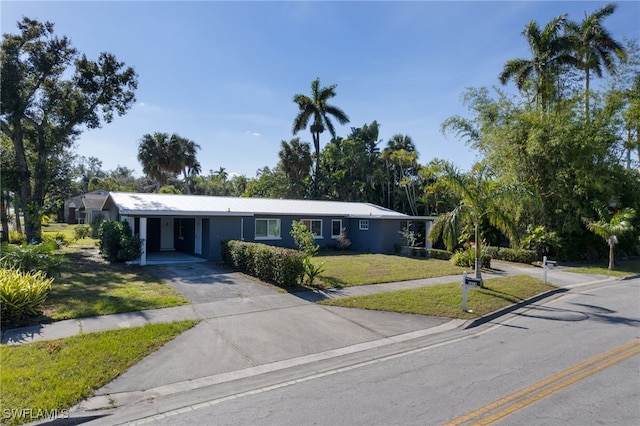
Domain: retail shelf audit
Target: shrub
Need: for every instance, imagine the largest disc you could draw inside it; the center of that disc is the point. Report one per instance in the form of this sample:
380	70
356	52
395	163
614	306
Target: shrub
31	258
281	266
467	258
517	255
16	237
117	243
440	254
59	239
22	294
304	238
82	231
311	270
492	251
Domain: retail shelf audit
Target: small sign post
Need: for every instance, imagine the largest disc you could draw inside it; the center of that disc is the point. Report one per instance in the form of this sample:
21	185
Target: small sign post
467	284
546	265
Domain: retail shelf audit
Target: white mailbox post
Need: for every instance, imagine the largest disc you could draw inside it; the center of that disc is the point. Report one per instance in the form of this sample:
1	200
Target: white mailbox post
546	265
467	284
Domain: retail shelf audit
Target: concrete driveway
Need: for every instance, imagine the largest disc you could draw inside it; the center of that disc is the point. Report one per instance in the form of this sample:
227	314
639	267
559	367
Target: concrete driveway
206	282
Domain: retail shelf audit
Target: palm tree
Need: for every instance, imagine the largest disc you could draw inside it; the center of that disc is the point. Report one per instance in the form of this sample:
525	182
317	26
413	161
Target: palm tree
183	158
594	47
617	225
295	161
482	201
317	109
154	157
223	176
549	49
162	156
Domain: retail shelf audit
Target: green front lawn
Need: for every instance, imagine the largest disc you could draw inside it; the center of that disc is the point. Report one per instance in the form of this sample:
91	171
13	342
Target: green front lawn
90	286
446	300
68	231
343	270
57	374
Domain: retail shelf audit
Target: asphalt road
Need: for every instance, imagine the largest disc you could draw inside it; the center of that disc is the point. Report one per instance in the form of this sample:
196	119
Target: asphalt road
570	361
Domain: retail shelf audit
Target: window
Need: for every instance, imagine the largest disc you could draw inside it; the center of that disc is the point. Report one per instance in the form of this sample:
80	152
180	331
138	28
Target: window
315	225
267	228
364	225
336	228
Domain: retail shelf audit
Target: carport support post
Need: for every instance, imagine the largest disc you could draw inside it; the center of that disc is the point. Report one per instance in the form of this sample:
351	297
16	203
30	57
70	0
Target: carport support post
143	237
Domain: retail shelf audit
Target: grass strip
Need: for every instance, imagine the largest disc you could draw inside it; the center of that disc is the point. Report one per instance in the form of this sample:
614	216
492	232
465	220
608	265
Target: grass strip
446	300
52	376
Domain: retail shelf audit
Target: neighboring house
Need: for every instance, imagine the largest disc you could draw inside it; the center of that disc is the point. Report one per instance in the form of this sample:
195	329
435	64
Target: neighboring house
197	224
85	207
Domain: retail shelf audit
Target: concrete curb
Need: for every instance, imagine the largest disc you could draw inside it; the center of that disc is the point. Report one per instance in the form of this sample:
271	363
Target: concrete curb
500	312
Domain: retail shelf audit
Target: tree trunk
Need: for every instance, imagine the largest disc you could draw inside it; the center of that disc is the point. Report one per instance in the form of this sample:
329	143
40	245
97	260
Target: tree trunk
186	181
612	261
4	216
478	262
24	176
316	177
16	210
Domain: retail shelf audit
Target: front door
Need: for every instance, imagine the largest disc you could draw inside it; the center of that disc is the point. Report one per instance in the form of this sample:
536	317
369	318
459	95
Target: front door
166	234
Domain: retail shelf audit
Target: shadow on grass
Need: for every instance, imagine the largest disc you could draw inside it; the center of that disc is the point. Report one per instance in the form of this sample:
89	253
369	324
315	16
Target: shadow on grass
88	286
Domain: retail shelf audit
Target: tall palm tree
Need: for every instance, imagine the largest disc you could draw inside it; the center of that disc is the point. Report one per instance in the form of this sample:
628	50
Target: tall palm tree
482	200
594	47
549	49
316	109
610	230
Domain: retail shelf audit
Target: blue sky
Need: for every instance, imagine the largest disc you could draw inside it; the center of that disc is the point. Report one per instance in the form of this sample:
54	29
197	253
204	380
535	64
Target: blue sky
223	74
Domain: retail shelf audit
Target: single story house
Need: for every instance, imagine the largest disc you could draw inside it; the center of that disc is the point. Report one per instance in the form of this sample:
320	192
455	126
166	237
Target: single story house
197	224
85	207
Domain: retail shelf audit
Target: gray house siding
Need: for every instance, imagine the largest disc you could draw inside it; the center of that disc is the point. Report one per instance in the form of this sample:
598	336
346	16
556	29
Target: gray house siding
221	228
380	237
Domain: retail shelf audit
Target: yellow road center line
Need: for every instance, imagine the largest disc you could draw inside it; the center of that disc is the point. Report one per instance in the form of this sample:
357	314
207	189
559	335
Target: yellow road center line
546	382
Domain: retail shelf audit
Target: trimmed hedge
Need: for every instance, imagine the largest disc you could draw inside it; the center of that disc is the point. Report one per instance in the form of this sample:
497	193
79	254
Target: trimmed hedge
517	255
281	266
440	254
511	254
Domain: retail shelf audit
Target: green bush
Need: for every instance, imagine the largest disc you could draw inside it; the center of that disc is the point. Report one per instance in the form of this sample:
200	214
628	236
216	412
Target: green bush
492	251
16	237
440	254
82	231
281	266
59	239
31	258
517	255
22	294
117	243
467	258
